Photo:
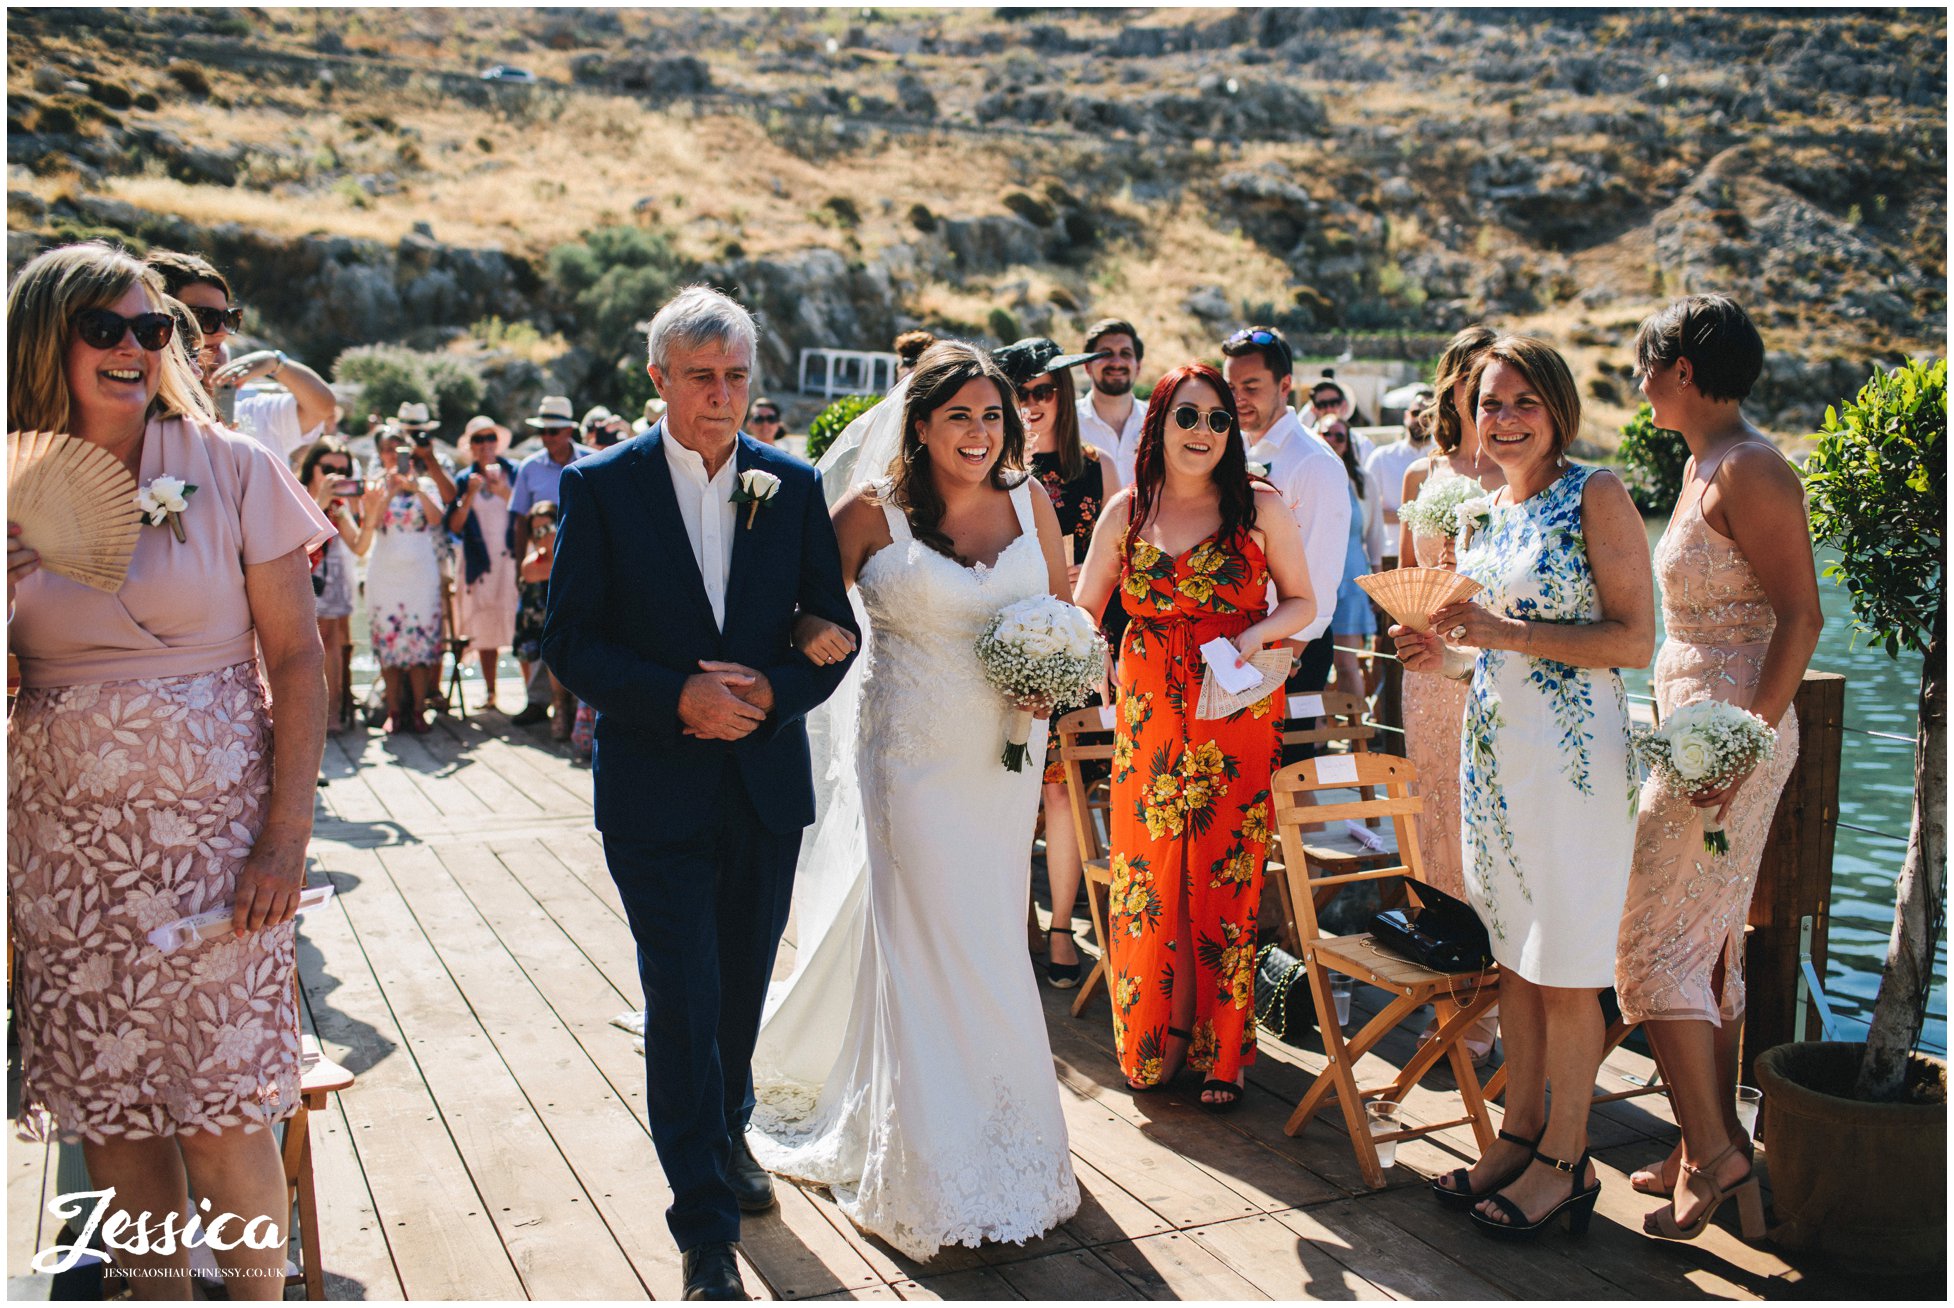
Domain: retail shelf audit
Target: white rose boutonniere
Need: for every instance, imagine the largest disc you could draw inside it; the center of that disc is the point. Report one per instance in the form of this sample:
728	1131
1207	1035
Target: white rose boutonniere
756	487
163	502
1474	515
1257	469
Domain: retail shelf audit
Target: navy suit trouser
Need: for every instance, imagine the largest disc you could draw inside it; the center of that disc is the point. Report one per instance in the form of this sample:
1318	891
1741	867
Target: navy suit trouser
707	912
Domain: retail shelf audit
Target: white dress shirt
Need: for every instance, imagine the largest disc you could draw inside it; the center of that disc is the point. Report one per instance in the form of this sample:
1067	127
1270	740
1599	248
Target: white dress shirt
1386	470
711	517
1122	446
1317	490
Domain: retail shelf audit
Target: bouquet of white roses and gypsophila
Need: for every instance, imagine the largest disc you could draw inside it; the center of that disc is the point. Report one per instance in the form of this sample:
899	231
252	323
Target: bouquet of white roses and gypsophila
1436	510
1705	746
1040	650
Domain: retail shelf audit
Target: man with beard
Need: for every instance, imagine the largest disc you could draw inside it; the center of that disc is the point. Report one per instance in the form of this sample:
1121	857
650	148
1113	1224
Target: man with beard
1108	416
1257	363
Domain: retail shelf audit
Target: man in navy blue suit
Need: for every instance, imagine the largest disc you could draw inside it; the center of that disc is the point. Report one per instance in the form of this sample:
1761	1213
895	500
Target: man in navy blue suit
683	557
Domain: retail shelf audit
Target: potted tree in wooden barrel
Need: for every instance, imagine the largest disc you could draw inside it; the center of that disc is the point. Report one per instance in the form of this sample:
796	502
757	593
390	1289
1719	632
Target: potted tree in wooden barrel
1858	1131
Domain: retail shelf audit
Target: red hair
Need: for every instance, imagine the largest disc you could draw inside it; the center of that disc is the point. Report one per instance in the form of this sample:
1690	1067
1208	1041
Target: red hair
1230	474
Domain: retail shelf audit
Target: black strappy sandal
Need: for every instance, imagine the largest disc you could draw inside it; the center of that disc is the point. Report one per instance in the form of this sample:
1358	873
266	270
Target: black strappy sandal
1063	976
1173	1033
1229	1088
1579	1205
1461	1194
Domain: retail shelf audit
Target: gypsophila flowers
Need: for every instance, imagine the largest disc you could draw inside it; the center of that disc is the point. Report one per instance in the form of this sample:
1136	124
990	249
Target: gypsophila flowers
1705	746
1436	510
1040	650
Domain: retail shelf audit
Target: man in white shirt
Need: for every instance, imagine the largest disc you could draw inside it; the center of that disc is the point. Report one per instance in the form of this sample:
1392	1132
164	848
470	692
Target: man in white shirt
1109	416
1257	364
1386	466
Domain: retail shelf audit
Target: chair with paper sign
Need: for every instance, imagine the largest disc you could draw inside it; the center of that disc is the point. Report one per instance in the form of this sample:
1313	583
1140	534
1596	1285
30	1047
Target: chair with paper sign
1457	999
1084	736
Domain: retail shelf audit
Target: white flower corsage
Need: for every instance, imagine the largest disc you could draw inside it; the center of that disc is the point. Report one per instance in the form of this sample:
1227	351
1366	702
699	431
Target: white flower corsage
163	501
1475	514
1257	469
756	488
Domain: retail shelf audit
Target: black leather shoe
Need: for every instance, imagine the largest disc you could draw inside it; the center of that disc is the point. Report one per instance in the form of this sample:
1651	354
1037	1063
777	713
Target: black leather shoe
711	1272
531	715
752	1185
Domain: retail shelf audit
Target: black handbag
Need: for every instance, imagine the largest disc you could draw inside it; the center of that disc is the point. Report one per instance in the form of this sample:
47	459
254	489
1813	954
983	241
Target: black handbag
1282	996
1441	933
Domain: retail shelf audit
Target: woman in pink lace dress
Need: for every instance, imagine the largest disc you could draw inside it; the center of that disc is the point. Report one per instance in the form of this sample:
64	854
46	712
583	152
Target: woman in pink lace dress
1740	605
1434	707
140	777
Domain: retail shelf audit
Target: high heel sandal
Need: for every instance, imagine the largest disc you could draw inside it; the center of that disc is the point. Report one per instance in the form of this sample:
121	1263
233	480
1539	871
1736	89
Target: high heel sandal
1749	1196
1173	1033
1579	1204
1063	976
1462	1195
1655	1189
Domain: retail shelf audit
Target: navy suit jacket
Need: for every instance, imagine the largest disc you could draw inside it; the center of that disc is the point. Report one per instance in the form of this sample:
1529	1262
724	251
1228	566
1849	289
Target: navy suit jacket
629	621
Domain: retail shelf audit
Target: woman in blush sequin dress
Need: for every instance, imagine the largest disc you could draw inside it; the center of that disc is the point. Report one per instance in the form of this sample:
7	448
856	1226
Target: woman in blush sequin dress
141	783
1740	605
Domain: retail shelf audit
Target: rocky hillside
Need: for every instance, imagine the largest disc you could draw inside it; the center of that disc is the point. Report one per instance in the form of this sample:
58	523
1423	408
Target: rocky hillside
1368	179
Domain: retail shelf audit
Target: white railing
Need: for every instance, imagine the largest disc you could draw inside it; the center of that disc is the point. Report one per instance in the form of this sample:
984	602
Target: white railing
829	373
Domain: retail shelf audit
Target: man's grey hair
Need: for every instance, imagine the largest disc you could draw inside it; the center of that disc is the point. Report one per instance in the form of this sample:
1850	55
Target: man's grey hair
696	316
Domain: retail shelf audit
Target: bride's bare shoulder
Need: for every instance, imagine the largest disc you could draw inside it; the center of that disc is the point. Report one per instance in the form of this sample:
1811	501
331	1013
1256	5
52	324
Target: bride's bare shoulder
858	516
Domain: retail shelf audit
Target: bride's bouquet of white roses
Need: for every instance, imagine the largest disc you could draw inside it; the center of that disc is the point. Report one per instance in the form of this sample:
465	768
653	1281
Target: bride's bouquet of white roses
1705	746
1039	651
1436	510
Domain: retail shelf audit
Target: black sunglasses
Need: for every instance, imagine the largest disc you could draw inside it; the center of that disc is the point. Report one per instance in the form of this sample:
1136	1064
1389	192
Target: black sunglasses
485	438
766	417
336	469
102	329
1038	394
210	321
1187	417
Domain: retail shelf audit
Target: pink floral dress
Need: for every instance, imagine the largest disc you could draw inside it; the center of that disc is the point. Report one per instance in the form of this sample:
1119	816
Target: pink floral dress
138	768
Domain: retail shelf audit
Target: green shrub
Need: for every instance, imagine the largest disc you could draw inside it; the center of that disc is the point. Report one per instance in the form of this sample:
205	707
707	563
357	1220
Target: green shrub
839	210
393	375
833	420
1652	462
1002	326
617	277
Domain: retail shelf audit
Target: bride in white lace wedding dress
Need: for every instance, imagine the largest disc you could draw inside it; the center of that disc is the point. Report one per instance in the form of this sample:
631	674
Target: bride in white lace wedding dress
905	1063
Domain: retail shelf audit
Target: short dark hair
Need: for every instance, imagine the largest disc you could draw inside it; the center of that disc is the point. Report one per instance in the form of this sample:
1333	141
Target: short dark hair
1273	351
1115	327
1328	384
179	270
1725	353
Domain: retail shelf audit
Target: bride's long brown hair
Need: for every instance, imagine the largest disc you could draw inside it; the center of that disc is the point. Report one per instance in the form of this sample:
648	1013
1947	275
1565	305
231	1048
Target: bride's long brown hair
943	370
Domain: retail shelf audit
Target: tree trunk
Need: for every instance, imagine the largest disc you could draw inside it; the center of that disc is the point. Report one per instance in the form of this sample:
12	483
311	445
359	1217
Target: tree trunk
1909	968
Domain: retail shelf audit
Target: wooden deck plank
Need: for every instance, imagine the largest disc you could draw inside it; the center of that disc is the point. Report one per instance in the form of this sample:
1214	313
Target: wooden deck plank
799	1252
1107	1214
30	1185
435	775
1173	1266
453	1004
552	783
600	932
352	1239
1072	1277
486	784
367	755
970	1284
1281	1263
1385	1256
443	1242
347	797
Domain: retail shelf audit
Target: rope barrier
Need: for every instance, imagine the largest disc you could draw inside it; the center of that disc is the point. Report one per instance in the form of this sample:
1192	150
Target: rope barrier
1868	831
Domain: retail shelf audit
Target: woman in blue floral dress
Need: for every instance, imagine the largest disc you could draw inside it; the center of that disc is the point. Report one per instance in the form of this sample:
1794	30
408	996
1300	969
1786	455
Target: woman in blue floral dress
1548	783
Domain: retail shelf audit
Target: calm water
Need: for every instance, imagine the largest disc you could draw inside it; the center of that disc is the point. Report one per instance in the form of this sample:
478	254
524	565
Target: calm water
1875	792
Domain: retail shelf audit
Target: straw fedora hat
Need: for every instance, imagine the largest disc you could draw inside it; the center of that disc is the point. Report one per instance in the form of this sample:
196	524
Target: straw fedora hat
482	422
414	417
554	411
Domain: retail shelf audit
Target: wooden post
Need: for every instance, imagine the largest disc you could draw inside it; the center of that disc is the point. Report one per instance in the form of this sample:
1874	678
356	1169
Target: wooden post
1795	878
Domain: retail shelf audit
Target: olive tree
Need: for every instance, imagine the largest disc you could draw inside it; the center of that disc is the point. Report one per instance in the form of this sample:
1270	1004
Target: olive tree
1878	483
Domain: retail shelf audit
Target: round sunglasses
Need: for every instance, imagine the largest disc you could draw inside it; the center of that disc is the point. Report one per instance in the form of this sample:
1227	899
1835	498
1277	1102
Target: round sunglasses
211	321
102	329
1039	394
1187	417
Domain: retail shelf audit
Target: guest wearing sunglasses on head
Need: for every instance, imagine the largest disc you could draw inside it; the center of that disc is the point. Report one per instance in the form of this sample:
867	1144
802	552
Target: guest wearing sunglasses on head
283	421
143	724
326	471
1193	550
1079	478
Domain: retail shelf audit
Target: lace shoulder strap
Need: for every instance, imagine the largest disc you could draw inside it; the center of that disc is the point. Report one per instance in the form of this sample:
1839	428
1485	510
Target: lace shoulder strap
1021	501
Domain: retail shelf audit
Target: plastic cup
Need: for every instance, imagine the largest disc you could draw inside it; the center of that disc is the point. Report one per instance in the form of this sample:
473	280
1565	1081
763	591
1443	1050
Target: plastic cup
1384	1119
1340	989
1749	1100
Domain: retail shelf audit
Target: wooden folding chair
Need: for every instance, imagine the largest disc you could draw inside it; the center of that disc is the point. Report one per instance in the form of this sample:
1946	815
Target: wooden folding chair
1457	999
1085	735
319	1077
1325	720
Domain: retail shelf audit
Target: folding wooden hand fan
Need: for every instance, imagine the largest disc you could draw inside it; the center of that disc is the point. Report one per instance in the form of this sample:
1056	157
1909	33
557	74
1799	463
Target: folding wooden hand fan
1412	595
76	506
